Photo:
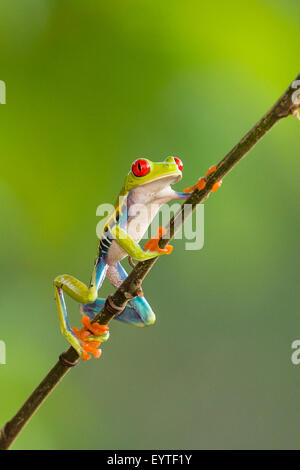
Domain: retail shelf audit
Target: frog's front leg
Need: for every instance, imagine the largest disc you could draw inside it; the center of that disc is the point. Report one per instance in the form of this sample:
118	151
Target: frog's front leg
134	250
85	340
183	196
137	312
201	183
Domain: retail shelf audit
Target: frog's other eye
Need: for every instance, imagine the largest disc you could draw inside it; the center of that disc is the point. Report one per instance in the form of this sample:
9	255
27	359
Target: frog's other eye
140	168
178	163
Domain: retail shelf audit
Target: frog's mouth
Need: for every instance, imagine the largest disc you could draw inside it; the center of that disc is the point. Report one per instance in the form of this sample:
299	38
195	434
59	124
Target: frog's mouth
160	183
174	179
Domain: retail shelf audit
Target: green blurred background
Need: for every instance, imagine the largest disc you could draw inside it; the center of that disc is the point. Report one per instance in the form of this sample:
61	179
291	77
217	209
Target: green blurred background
90	86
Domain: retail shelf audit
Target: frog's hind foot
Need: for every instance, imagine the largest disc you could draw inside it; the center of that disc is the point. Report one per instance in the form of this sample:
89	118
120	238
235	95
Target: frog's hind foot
91	335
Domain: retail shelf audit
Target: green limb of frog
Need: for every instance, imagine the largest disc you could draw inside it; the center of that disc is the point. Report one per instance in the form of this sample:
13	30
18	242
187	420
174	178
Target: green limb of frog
80	292
134	250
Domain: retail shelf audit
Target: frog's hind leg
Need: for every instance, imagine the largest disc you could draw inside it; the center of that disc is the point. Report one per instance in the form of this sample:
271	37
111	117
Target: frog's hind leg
63	319
92	309
137	312
80	292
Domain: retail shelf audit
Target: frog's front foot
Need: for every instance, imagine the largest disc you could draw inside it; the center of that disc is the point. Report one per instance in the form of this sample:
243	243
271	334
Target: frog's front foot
217	184
90	336
153	243
201	183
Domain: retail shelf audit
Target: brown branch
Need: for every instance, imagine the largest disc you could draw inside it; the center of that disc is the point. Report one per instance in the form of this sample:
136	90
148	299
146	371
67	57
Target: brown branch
132	285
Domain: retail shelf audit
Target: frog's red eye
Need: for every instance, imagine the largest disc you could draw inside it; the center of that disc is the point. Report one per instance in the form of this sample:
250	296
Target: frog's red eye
178	163
140	168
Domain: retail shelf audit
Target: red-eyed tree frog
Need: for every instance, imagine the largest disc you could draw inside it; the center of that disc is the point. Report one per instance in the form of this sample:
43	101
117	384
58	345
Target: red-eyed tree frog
149	184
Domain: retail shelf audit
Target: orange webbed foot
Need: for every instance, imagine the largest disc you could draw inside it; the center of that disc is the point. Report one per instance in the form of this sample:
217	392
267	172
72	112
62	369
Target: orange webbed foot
94	328
216	185
153	243
201	183
87	343
91	347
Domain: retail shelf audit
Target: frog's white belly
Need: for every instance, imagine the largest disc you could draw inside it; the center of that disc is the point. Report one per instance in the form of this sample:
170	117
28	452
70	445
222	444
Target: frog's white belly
137	225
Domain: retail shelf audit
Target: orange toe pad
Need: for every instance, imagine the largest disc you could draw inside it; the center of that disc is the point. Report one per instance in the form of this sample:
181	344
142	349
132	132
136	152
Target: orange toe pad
86	349
211	170
94	328
89	346
216	185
